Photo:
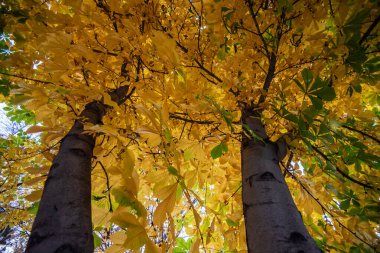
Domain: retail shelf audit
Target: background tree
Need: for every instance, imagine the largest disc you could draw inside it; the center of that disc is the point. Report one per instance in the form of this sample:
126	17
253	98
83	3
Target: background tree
301	72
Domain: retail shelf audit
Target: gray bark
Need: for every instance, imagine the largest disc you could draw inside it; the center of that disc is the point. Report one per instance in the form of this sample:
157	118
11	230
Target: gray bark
273	223
63	223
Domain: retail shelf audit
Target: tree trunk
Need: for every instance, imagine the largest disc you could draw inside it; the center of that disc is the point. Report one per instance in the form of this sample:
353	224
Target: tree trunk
63	223
273	223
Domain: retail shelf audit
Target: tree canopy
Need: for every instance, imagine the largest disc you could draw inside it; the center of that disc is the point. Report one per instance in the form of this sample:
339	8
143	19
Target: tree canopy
166	171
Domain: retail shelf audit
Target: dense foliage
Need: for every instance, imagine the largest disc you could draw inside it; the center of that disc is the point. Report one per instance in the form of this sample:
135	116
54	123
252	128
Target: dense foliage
166	168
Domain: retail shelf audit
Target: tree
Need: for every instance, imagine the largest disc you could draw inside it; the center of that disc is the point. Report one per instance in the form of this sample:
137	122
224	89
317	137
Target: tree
287	83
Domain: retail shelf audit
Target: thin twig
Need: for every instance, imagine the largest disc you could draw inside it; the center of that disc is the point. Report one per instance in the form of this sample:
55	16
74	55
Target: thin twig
108	184
324	209
26	78
369	30
253	15
342	172
362	133
201	122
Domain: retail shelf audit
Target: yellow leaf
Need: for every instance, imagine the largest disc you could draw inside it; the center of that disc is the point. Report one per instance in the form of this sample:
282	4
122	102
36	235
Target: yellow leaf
126	198
100	216
172	228
115	249
199	152
107	129
108	101
166	47
166	206
156	176
124	219
150	115
153	139
34	196
36	129
130	185
242	236
35	171
210	231
49	156
136	238
160	214
195	246
165	113
151	247
35	180
20	100
118	237
152	136
197	217
128	163
166	191
50	137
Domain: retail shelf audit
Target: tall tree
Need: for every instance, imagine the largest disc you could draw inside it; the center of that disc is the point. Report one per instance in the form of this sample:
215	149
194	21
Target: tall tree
288	87
63	222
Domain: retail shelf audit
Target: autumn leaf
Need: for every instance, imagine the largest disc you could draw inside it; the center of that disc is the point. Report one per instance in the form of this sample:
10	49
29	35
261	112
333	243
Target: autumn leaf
143	107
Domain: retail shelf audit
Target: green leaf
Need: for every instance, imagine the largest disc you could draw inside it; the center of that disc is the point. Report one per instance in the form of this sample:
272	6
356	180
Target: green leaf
354	22
173	171
182	245
179	250
34	208
224	9
218	150
188	155
355	202
221	54
97	240
309	114
354	250
345	204
226	115
322	90
307	76
355	211
323	129
299	85
232	223
125	198
252	133
357	88
317	102
167	134
326	93
288	115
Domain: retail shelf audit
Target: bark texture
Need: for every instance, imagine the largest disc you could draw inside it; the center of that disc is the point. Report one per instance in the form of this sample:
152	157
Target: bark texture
63	222
273	223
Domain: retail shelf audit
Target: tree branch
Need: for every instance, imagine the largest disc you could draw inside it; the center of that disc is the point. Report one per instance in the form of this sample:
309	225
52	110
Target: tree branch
342	172
208	71
108	184
253	15
369	30
201	122
362	133
26	78
269	77
101	52
324	209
